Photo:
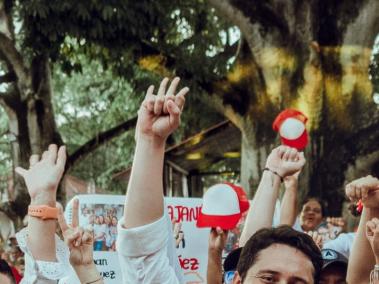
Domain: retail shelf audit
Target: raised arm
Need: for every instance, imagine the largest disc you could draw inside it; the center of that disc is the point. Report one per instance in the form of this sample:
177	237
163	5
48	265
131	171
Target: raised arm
42	179
283	161
38	241
362	260
217	241
145	243
158	117
288	210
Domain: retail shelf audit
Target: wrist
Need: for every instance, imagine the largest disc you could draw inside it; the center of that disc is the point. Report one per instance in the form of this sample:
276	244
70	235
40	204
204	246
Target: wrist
274	173
153	141
86	272
46	198
215	251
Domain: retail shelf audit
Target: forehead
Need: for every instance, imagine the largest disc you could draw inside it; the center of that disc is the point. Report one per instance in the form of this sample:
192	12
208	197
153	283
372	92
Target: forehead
312	203
286	261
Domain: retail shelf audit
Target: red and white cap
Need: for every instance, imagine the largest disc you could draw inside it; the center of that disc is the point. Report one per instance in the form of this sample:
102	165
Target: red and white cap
223	205
290	124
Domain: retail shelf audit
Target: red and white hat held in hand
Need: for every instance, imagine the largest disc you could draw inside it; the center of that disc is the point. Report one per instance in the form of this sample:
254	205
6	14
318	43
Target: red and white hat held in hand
223	205
290	124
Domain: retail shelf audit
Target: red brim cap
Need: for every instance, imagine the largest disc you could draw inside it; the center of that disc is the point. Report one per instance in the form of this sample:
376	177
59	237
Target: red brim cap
298	143
227	222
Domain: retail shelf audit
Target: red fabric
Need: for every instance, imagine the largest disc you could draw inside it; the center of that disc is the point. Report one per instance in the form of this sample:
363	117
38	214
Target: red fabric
299	143
224	222
17	276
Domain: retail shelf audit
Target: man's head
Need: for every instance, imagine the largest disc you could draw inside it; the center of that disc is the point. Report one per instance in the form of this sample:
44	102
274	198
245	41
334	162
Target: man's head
279	253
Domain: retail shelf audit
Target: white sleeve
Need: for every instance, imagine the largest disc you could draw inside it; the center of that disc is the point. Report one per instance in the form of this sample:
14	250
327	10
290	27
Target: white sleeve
147	254
44	272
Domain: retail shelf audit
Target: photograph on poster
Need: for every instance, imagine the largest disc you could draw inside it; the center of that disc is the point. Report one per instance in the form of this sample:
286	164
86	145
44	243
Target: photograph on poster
102	218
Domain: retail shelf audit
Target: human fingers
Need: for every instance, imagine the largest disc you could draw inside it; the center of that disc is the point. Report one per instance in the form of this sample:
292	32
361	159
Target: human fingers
21	171
78	240
33	160
364	192
370	227
62	157
71	239
149	103
358	192
87	237
149	92
286	154
44	156
180	97
52	154
350	192
75	213
170	94
159	102
62	221
293	154
174	113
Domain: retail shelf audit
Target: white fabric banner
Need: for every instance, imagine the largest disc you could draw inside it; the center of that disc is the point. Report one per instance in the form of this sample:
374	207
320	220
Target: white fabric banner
102	212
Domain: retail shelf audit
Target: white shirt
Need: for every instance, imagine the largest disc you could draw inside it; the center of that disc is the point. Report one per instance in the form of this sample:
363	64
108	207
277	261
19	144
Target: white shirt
44	272
147	253
342	244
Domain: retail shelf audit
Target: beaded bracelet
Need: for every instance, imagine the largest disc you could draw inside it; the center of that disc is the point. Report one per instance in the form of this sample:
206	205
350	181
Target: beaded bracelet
275	173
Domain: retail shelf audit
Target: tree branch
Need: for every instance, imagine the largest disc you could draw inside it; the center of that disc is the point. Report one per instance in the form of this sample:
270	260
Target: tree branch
368	20
99	140
10	53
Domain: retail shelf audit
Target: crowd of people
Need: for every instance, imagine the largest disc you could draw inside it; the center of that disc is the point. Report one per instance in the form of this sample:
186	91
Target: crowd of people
303	248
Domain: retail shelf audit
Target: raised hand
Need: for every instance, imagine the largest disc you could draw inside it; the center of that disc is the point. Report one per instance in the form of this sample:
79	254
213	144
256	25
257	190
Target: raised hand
79	241
317	238
366	189
43	176
285	161
159	114
372	234
217	239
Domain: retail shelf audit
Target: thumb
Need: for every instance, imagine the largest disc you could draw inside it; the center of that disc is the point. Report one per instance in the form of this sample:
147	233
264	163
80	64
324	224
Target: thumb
21	171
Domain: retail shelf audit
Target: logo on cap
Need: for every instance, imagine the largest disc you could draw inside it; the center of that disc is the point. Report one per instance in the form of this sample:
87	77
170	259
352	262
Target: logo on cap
328	254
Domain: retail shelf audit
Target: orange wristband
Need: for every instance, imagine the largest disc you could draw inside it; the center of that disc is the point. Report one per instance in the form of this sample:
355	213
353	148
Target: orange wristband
43	211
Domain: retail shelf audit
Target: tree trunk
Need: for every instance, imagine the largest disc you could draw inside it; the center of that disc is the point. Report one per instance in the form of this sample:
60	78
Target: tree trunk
31	125
312	56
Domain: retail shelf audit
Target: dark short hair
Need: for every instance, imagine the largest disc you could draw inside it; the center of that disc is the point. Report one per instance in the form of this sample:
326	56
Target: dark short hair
5	269
280	235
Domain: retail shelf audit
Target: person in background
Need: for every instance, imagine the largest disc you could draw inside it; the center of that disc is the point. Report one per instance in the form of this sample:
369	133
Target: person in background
334	267
113	233
100	230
